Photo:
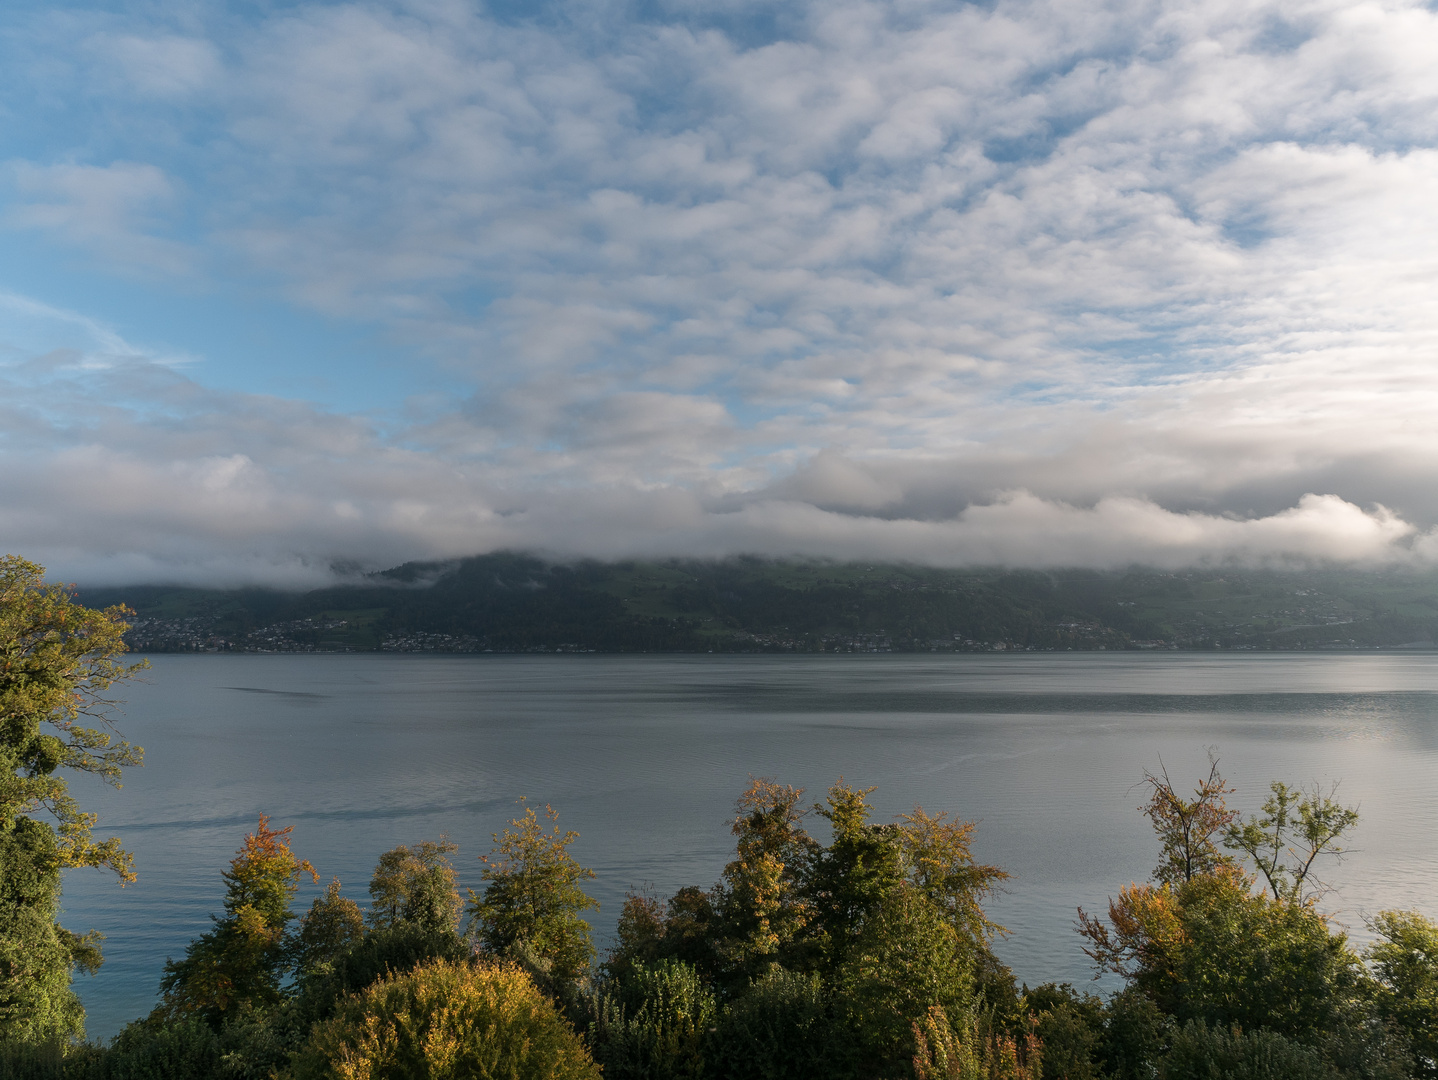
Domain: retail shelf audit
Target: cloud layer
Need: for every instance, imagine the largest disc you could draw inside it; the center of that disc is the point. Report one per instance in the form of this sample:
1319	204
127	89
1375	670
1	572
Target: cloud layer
1028	282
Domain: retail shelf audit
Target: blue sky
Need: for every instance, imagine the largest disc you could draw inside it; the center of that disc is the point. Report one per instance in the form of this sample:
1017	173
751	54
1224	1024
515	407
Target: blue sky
1038	282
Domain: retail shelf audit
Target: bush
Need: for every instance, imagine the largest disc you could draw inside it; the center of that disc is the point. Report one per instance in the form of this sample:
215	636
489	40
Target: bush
778	1030
653	1024
447	1020
1135	1036
1200	1052
394	951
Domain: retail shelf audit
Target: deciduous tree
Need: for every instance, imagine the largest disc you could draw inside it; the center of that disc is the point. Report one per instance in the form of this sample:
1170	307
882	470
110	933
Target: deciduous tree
416	885
242	964
58	660
1298	827
533	896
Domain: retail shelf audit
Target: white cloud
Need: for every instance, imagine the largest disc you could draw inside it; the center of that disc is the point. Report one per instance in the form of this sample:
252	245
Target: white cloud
110	209
1025	281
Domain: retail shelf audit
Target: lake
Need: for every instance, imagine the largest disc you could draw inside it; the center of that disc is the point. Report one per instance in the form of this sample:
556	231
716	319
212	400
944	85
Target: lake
644	756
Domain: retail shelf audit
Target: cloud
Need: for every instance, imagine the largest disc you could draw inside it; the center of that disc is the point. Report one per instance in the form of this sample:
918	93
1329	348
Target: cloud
132	471
1020	282
109	209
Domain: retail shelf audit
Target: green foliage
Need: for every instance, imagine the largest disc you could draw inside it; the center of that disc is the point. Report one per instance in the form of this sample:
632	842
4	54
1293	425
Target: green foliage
905	958
533	896
1405	962
653	1024
185	1049
332	926
417	885
242	964
1297	827
778	1029
447	1021
1213	950
1070	1026
854	876
57	661
36	953
1136	1034
1257	961
762	902
377	955
686	928
1203	945
1201	1052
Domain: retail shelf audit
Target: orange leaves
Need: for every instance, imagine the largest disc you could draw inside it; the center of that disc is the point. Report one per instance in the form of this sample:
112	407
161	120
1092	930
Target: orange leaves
1147	935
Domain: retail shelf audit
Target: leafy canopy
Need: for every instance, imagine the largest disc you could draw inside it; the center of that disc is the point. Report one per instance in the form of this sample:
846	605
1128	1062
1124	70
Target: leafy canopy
57	660
533	896
242	964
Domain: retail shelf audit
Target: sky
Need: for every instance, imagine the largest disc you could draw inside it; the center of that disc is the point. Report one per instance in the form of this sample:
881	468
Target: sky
290	289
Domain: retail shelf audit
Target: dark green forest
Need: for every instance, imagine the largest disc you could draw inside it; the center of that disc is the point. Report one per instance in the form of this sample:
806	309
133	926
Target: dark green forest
520	603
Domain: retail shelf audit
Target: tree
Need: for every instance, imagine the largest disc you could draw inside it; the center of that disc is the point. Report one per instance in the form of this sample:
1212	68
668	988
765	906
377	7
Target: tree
852	877
762	901
1405	961
1189	829
1297	827
416	885
57	661
242	964
1202	945
940	864
533	896
332	926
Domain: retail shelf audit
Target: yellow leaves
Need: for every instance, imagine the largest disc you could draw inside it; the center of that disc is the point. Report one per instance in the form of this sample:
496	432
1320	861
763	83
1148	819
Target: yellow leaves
937	851
448	1020
942	1053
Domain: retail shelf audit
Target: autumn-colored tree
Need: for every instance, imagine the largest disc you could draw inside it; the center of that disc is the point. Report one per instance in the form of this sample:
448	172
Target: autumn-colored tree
415	885
58	659
761	901
242	964
1202	944
939	862
1189	830
533	896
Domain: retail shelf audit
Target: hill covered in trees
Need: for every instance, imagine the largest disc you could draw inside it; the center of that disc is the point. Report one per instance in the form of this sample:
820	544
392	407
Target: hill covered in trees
520	603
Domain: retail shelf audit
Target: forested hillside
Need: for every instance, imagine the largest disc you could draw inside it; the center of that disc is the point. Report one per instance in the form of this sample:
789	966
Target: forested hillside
519	603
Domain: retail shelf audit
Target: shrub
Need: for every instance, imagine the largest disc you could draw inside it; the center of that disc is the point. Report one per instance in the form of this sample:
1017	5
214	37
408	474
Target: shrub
943	1053
653	1024
1200	1052
447	1020
778	1030
383	952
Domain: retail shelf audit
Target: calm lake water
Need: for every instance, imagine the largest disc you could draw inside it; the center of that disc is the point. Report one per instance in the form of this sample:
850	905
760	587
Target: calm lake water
645	755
